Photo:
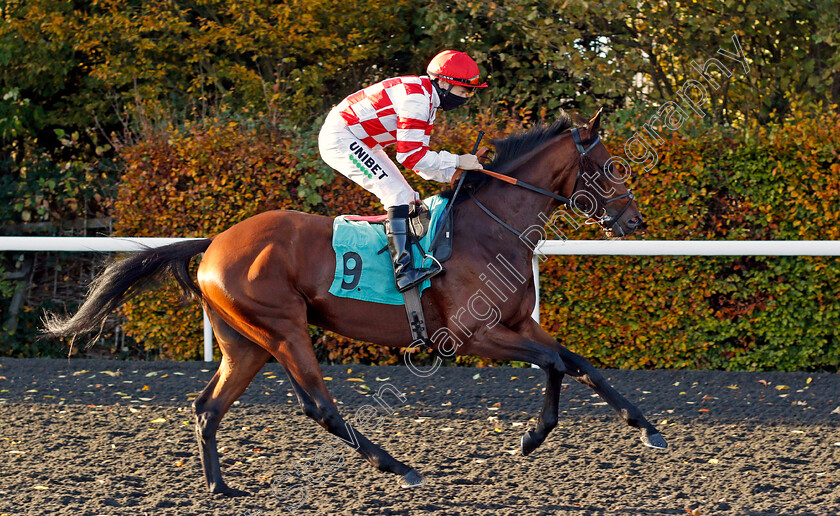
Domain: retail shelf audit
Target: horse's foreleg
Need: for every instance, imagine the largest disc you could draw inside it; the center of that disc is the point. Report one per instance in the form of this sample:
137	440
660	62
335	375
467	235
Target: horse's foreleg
241	360
296	355
500	343
581	370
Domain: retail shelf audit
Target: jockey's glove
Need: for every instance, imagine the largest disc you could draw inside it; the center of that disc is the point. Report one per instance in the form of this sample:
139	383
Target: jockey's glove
468	162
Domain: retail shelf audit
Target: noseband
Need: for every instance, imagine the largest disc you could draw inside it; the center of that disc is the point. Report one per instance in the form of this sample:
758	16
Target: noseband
605	221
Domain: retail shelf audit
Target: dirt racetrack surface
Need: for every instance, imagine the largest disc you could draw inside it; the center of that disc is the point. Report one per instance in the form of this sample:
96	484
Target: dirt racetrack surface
88	437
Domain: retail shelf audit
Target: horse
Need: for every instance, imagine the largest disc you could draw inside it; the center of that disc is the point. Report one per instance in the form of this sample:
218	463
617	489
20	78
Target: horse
263	280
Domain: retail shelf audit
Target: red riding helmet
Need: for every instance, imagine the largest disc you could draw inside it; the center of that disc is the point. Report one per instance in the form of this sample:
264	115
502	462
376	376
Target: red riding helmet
456	68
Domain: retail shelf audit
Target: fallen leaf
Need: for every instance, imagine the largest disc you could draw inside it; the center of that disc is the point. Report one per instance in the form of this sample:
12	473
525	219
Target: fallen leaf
378	379
732	387
836	411
153	373
110	373
703	410
40	488
349	371
809	380
513	377
765	382
145	388
158	420
355	380
476	376
328	378
713	461
782	387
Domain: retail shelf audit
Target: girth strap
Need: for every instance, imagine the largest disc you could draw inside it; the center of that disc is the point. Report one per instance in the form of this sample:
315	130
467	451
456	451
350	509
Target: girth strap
416	319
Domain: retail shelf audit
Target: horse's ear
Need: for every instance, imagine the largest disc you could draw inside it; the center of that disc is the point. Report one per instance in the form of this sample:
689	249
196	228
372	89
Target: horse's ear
595	123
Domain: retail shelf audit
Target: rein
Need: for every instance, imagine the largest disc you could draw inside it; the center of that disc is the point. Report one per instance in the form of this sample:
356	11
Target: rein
604	221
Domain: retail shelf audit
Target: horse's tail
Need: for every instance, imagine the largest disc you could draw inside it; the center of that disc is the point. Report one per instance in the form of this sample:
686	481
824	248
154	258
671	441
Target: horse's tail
124	279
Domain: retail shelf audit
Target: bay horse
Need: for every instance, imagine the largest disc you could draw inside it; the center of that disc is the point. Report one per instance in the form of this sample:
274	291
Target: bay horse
263	280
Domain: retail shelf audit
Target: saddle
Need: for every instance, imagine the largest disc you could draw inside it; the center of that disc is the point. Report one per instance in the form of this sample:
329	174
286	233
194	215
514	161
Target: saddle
419	219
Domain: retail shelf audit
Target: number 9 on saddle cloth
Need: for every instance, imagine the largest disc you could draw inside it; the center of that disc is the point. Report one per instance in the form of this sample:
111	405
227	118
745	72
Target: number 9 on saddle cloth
364	269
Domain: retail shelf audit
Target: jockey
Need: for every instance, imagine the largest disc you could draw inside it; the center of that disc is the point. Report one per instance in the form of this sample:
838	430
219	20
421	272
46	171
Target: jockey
400	111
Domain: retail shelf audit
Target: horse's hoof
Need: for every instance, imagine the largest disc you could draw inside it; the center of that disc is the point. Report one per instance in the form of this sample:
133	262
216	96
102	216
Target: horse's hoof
229	491
413	479
529	443
654	441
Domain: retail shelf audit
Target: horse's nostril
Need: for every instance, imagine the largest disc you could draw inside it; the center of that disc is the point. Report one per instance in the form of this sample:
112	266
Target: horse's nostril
634	222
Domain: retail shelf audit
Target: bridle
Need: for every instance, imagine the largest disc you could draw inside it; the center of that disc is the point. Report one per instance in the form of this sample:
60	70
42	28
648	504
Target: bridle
605	221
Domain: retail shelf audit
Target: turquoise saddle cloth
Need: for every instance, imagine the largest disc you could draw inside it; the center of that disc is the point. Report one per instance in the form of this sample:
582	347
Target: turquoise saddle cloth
362	274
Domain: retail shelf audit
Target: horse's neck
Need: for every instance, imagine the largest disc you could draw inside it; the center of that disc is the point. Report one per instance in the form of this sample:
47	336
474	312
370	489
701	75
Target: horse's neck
516	206
523	208
520	208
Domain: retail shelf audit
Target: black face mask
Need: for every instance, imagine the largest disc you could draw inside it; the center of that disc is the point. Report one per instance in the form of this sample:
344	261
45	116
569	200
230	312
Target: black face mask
448	100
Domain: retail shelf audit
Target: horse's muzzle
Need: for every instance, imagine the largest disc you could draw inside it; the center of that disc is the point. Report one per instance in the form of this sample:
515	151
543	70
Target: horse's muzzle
635	223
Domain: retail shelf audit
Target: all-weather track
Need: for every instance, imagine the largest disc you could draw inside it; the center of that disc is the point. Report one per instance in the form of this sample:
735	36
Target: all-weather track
96	437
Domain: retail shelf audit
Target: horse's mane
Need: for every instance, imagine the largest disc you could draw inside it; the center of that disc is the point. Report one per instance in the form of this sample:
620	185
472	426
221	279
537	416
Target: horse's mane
508	150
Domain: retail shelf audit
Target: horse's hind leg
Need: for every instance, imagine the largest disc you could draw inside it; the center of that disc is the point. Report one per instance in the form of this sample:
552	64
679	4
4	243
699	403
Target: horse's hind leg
296	355
581	370
241	360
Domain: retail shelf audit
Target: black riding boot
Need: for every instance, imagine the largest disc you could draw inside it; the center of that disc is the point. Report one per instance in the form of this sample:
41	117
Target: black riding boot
396	229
